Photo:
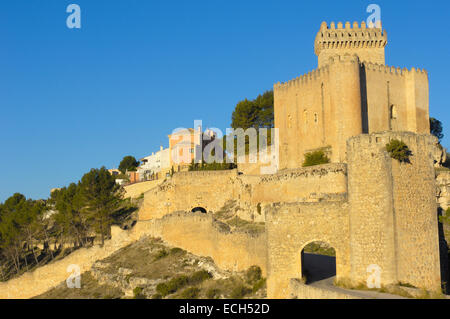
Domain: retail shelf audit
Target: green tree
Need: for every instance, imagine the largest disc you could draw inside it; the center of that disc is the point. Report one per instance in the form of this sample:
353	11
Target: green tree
102	197
70	222
128	163
257	113
436	128
19	227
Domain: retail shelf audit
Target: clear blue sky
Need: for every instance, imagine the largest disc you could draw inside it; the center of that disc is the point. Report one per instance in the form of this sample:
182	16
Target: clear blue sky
74	99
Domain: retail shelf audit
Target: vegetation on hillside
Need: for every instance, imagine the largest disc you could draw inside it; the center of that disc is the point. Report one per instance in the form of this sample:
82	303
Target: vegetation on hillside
149	268
34	232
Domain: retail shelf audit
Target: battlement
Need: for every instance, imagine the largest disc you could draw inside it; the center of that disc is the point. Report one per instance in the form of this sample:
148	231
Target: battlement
380	139
368	42
355	36
303	79
393	70
319	73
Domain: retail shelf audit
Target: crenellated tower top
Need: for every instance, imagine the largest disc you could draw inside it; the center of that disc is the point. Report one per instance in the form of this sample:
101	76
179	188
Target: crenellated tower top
368	42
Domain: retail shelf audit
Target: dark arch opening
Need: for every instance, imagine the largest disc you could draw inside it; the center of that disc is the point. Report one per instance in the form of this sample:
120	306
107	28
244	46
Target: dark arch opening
318	262
198	209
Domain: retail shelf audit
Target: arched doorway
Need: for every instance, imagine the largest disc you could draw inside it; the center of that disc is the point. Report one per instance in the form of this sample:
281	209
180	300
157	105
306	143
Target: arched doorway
318	260
199	210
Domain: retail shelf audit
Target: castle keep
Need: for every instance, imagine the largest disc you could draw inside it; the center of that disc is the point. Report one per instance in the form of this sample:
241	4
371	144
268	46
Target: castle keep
352	92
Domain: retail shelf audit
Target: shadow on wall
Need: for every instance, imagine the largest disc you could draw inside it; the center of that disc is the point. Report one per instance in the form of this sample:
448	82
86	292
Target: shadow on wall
198	210
444	253
318	262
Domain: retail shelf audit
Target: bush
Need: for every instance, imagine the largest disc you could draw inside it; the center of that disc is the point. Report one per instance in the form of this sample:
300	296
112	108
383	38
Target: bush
172	285
259	284
176	250
199	277
161	254
398	150
137	292
315	158
213	293
156	296
253	274
239	292
190	293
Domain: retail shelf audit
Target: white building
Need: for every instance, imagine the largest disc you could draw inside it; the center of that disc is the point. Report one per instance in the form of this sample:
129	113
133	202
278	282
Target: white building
153	164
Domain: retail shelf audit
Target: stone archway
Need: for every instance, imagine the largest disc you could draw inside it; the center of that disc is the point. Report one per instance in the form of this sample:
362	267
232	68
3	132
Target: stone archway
318	262
199	209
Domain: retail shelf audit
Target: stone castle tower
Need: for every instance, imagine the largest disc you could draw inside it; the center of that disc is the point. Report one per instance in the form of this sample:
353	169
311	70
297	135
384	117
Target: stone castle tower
351	92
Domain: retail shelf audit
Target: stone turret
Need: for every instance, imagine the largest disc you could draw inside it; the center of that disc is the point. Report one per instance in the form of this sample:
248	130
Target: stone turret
368	42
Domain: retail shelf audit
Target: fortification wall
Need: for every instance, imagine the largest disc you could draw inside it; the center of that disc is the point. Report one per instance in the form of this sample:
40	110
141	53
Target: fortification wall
417	242
290	227
212	189
201	235
187	190
51	275
301	185
443	191
393	219
321	108
137	189
395	99
198	234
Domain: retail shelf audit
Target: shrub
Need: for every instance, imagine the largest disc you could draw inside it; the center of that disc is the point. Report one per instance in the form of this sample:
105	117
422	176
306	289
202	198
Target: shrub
199	277
137	292
157	296
190	293
253	274
315	158
239	292
259	284
398	150
177	250
161	254
213	293
172	285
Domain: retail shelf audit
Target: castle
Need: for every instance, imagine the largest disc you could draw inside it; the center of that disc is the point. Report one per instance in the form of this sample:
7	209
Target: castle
372	209
352	92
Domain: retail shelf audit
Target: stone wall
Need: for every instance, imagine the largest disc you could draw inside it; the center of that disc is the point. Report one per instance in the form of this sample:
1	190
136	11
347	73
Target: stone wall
212	189
198	234
187	190
393	215
443	188
318	109
44	278
351	92
137	189
201	235
290	227
301	185
404	91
